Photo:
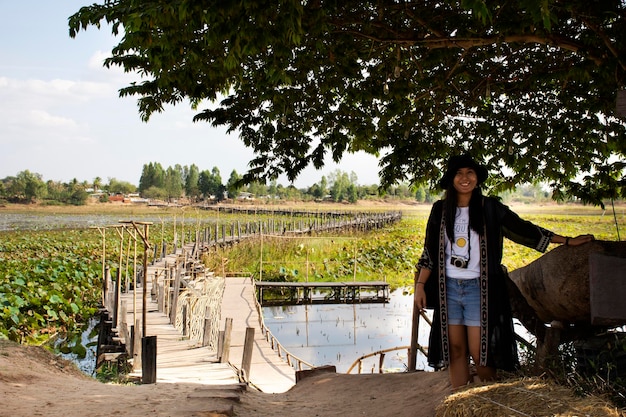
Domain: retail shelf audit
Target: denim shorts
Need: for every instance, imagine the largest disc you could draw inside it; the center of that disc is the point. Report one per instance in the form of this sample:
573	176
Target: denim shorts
463	296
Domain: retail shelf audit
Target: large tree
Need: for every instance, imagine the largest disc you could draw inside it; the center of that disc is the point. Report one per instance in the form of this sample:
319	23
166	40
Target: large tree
173	182
26	187
528	86
152	175
192	176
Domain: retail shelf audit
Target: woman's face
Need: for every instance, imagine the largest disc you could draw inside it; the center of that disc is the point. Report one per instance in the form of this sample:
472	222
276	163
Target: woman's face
465	180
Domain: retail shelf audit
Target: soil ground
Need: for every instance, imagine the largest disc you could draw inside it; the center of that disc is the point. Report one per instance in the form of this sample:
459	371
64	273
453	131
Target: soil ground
34	382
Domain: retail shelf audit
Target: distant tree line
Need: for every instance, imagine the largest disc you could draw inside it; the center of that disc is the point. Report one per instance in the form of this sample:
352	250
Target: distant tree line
188	181
176	182
29	187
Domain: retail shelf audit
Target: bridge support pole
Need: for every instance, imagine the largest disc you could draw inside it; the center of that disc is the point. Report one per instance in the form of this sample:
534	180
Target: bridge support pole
228	328
412	363
149	359
246	360
137	345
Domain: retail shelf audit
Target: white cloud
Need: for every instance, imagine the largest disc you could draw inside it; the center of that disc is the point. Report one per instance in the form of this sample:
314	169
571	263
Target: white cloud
46	120
96	60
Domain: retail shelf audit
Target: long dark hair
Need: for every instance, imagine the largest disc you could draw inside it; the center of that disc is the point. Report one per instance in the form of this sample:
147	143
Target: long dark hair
475	210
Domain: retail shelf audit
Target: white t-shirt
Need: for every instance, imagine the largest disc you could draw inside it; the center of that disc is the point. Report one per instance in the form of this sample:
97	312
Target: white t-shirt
466	245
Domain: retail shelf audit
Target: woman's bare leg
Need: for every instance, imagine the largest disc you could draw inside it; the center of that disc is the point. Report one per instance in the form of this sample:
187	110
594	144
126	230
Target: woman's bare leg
459	366
485	373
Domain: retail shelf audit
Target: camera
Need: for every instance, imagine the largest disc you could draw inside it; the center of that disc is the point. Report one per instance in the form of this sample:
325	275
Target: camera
459	262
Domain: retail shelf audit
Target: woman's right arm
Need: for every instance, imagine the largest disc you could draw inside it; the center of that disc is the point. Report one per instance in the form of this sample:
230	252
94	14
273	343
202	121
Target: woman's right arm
420	282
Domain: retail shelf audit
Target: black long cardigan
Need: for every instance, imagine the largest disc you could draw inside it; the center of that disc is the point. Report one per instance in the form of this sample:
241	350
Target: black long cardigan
498	348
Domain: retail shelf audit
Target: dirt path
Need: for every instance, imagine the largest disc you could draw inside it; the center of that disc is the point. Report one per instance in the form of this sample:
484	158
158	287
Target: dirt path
34	382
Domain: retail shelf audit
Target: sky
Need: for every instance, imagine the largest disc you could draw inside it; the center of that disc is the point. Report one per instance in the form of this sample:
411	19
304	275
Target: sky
61	115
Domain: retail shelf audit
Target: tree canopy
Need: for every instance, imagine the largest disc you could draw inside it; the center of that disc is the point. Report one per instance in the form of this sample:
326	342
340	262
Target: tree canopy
528	87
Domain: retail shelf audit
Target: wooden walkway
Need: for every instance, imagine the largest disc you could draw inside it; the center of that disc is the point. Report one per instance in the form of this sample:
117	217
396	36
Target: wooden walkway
181	360
282	293
268	372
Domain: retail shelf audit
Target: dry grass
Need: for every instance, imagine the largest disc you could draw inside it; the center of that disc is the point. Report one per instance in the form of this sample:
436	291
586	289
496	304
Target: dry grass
523	397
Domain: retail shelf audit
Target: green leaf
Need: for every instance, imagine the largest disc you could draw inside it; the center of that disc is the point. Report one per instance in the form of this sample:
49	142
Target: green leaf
52	315
55	299
19	301
79	350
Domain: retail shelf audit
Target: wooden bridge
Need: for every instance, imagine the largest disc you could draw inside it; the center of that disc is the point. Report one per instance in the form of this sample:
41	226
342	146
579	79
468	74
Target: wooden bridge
195	327
281	293
182	356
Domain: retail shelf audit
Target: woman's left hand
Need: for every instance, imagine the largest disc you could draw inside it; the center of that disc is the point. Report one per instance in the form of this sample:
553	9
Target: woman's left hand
579	240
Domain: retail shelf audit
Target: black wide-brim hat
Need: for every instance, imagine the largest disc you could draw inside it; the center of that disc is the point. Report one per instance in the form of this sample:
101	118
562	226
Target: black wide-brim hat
457	162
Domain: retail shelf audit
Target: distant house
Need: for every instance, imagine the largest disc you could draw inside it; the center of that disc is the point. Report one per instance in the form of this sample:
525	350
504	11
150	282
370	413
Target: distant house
117	198
245	196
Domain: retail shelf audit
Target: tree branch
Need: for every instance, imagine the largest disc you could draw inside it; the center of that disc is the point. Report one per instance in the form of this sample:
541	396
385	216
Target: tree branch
607	42
475	42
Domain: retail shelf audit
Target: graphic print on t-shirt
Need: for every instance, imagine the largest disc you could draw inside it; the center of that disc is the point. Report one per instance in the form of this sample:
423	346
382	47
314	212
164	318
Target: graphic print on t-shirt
461	233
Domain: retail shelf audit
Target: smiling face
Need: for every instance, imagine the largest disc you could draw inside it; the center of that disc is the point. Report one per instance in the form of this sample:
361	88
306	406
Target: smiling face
465	181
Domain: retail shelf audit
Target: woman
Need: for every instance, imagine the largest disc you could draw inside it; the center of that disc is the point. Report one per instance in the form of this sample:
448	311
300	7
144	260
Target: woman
461	277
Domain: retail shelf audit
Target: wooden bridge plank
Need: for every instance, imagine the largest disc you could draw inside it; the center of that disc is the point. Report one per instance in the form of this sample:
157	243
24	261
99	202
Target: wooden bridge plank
268	372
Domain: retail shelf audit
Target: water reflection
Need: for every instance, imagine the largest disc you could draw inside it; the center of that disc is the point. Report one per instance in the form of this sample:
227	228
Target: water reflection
338	334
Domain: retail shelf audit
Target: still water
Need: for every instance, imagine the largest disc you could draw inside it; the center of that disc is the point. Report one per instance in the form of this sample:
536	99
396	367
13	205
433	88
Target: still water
338	334
48	221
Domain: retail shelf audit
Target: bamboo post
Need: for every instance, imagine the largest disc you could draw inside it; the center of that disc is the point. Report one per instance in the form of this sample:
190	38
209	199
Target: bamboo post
228	328
137	337
412	361
261	259
148	364
182	230
102	231
220	344
135	277
354	273
146	246
175	292
118	287
175	235
161	298
104	249
206	335
247	353
162	238
126	281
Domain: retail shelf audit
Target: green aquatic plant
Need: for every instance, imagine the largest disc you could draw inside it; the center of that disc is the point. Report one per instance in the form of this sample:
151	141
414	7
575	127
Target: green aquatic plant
49	284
